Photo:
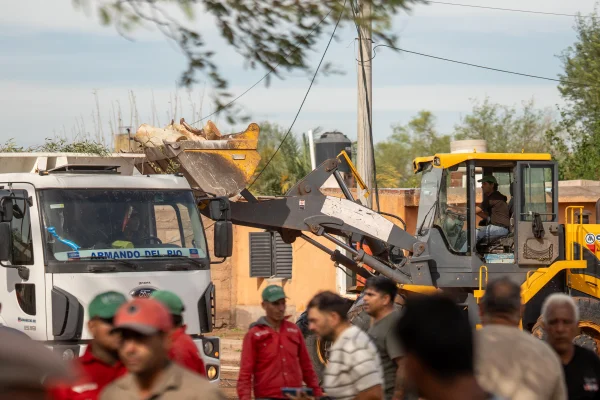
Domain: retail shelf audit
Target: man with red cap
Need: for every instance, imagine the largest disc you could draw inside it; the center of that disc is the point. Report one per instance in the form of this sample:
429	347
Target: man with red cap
100	363
183	349
144	324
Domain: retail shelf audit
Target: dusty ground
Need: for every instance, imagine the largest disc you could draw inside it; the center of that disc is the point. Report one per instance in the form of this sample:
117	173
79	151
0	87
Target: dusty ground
231	347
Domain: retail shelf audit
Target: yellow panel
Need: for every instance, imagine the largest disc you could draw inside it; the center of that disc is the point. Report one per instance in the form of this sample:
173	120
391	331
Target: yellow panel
423	289
447	160
539	278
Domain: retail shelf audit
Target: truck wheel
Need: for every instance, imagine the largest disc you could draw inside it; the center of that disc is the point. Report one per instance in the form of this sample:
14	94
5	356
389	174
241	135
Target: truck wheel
316	348
589	324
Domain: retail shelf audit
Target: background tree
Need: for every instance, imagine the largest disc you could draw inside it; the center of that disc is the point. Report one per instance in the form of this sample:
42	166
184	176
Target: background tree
290	164
577	151
275	35
395	155
506	129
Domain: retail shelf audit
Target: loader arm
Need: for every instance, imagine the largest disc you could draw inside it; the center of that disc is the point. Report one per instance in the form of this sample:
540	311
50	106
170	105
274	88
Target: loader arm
306	209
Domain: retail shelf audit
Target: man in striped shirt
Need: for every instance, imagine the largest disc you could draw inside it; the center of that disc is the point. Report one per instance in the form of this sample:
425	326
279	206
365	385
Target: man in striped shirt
353	370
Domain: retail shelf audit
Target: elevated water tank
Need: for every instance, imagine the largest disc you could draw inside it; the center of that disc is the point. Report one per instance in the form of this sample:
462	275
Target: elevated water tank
468	146
329	145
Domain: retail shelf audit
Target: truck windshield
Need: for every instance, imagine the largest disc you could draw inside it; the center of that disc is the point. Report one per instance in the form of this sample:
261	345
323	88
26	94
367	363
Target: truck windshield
120	224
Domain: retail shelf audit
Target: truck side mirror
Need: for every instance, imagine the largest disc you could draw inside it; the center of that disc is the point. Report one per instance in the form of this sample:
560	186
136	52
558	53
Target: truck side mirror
219	209
223	240
6	208
6	242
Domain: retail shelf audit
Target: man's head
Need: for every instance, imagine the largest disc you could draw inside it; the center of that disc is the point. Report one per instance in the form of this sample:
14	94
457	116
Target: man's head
326	313
489	184
274	302
438	341
501	303
380	293
173	304
560	316
144	324
101	311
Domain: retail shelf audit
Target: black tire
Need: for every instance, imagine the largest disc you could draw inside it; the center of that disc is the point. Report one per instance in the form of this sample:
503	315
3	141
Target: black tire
589	311
310	339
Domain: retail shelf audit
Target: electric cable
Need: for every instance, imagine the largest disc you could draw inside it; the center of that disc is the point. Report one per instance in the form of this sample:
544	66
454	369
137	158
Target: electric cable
508	9
264	77
303	100
483	66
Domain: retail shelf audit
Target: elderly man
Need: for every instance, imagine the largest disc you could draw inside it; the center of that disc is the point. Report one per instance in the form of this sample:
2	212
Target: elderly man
560	316
509	361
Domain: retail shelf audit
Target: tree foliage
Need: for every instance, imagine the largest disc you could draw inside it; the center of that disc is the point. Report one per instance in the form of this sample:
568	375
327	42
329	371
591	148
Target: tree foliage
507	129
290	164
577	150
275	35
395	155
59	145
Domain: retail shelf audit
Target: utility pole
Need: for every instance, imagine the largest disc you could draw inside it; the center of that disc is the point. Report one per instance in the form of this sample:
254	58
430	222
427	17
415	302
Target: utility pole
364	155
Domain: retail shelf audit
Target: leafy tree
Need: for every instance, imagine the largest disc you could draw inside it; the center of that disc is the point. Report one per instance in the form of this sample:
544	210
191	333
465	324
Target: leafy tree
291	163
395	155
577	151
506	129
275	35
59	145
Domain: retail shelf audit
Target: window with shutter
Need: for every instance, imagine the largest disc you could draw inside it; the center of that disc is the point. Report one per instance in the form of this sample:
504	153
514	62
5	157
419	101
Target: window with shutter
270	256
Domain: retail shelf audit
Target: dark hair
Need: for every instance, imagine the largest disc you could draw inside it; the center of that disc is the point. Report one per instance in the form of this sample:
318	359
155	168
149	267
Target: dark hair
502	296
436	331
331	302
177	320
384	285
495	187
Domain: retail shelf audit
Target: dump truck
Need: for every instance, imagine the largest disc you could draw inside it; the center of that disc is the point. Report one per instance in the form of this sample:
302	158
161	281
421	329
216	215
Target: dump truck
540	252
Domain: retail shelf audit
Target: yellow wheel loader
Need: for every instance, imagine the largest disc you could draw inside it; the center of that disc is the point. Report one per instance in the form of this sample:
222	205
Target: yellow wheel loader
542	250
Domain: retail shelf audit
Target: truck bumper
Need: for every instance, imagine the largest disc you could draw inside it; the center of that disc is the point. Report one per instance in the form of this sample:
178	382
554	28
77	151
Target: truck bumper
208	346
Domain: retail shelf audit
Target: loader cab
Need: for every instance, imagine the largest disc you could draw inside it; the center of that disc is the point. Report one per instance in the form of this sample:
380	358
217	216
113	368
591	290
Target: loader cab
451	192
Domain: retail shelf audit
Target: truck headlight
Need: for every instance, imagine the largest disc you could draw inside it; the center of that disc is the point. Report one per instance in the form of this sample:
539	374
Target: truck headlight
208	347
211	372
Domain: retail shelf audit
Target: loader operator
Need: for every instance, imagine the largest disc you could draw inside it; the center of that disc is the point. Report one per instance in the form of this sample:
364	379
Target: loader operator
494	211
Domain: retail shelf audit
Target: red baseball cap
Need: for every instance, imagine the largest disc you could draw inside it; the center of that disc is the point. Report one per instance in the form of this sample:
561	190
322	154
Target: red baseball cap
143	315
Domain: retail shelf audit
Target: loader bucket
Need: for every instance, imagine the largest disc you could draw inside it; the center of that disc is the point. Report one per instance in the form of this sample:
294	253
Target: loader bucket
222	167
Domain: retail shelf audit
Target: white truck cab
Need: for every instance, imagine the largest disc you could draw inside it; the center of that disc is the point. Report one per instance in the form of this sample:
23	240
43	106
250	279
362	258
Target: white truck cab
73	226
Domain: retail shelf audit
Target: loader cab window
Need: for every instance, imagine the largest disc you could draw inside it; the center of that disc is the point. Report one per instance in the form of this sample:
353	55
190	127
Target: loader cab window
452	216
538	196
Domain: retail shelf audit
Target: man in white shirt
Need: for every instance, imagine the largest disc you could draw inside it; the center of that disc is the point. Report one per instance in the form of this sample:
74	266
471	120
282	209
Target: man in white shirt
354	369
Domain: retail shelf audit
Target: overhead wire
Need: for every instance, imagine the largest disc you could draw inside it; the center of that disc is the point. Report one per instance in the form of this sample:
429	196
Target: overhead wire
369	118
264	76
305	97
483	66
508	9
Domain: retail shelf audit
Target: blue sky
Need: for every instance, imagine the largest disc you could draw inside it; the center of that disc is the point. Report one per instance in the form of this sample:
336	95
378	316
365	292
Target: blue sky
53	58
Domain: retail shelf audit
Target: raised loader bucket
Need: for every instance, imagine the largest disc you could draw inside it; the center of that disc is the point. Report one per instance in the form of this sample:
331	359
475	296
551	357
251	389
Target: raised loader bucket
211	162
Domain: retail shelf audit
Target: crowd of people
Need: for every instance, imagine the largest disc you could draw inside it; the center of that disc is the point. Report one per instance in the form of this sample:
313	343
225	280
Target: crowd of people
426	349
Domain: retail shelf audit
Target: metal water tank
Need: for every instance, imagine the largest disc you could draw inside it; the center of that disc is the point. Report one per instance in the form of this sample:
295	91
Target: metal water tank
329	145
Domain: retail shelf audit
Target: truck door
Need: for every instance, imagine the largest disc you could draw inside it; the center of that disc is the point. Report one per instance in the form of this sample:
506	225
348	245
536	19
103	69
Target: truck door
536	213
23	301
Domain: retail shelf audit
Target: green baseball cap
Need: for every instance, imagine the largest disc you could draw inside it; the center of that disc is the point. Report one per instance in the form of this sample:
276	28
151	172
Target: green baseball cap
171	300
488	178
105	305
272	293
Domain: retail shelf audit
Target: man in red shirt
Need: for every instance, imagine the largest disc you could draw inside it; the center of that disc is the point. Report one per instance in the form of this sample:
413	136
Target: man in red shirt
100	363
183	349
274	354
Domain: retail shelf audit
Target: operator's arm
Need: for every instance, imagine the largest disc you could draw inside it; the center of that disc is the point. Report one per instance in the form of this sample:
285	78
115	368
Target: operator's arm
399	383
308	373
244	383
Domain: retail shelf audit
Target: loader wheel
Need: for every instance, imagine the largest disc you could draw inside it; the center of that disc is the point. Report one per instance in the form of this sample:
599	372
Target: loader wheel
589	324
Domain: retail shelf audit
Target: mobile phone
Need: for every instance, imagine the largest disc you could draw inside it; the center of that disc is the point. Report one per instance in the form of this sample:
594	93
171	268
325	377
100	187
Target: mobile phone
297	391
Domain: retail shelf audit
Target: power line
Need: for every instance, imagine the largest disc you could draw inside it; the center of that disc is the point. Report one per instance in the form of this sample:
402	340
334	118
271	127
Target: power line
264	77
303	100
508	9
483	66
